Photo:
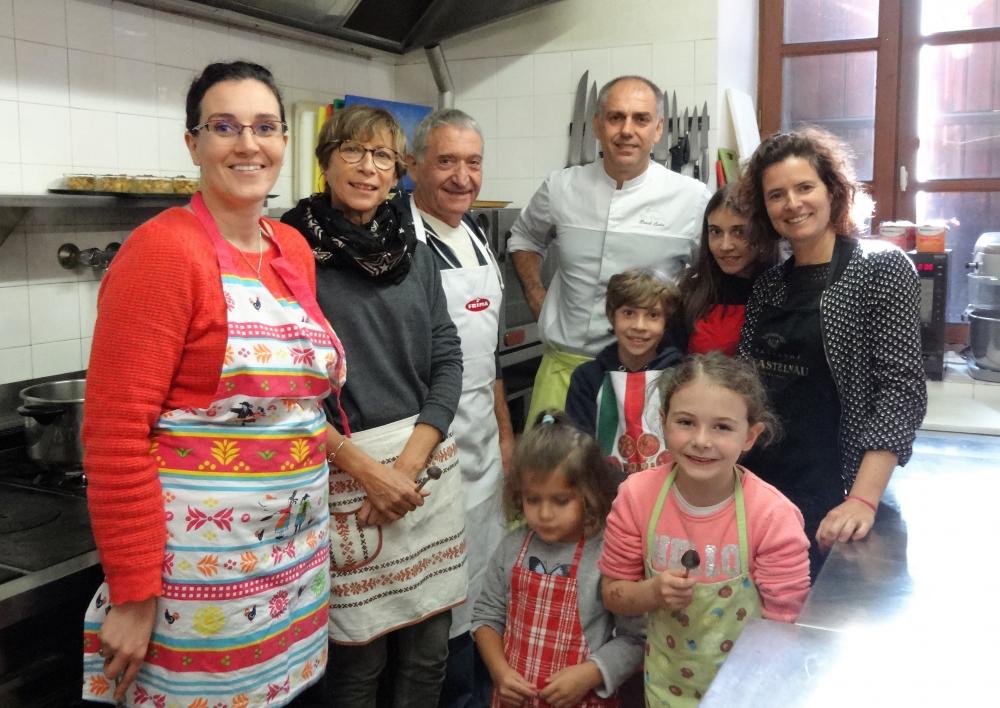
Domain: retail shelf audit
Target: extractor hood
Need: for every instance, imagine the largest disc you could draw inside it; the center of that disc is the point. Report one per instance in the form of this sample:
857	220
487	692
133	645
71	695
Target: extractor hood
389	25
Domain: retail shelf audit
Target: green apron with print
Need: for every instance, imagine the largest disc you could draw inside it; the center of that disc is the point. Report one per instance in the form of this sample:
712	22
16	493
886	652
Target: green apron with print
685	648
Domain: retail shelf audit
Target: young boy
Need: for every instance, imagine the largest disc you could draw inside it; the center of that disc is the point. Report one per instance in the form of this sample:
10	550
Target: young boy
614	396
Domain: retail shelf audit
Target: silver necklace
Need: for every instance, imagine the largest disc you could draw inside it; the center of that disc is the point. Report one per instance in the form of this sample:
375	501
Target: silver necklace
260	253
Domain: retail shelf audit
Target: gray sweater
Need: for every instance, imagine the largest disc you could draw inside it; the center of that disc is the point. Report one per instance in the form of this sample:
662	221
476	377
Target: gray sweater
616	642
403	352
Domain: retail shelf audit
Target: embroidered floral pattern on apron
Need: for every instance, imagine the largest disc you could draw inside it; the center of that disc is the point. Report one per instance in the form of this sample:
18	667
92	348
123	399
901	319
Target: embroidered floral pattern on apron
385	577
245	584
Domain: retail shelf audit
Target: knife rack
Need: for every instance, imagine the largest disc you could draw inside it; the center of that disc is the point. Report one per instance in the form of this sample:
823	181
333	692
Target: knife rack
683	146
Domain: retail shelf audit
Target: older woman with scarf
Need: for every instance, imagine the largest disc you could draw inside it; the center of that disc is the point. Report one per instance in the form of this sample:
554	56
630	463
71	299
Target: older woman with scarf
396	570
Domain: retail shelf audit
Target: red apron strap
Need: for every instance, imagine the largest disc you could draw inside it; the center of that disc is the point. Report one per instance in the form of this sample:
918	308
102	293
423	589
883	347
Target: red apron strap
293	280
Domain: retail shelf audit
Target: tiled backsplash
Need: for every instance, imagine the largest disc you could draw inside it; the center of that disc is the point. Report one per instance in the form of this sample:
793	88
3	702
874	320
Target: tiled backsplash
48	312
99	86
523	95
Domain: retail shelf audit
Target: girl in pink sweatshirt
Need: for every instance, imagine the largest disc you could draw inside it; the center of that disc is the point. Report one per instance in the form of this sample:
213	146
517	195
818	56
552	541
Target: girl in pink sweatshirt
702	544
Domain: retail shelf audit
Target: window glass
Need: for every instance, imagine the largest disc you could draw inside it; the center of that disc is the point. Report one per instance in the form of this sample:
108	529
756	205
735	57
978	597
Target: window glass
959	113
826	20
951	15
970	215
836	92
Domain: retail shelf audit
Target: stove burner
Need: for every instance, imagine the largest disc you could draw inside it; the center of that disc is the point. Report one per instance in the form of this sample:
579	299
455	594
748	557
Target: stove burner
15	515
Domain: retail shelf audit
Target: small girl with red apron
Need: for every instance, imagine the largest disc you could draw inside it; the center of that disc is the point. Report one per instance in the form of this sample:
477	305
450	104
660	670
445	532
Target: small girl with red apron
703	545
539	623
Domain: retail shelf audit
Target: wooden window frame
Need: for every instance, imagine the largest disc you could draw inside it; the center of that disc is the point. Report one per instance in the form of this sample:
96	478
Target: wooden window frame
896	140
774	50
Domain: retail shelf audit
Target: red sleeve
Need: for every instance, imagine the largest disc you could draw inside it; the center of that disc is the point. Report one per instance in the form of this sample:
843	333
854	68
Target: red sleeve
149	306
780	551
625	535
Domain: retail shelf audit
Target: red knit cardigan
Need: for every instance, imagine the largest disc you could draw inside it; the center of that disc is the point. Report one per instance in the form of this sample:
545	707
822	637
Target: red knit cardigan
159	344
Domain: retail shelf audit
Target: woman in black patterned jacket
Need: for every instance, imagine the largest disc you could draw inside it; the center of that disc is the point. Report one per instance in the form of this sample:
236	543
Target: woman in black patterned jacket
835	334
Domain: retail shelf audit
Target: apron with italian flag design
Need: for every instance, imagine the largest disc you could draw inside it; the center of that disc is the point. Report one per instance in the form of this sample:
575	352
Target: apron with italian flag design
628	420
242	618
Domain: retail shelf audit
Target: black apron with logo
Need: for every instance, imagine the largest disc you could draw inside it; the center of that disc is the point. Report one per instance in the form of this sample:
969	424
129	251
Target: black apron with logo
787	349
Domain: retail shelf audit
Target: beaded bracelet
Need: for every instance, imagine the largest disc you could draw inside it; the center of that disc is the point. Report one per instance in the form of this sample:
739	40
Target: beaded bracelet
333	455
863	501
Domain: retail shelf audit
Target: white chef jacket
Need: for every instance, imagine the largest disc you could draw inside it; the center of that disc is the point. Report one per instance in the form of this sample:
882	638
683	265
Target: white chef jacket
654	220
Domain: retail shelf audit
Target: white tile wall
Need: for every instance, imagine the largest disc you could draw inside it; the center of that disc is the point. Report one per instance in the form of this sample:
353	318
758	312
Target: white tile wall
6	18
99	86
41	21
89	25
10	178
133	31
42	73
10	137
45	134
8	70
15	364
14	317
524	96
91	80
53	358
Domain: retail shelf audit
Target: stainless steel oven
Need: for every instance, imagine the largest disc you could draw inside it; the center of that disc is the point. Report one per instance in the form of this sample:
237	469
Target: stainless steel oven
519	342
519	339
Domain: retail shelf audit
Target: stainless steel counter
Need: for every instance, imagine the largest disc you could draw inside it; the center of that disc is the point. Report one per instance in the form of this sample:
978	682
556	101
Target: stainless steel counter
904	617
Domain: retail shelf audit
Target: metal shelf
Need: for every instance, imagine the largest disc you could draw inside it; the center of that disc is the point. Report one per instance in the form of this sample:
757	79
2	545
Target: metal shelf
88	200
14	207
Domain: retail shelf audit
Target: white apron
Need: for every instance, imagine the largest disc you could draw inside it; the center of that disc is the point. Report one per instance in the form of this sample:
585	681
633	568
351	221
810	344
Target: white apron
387	577
475	296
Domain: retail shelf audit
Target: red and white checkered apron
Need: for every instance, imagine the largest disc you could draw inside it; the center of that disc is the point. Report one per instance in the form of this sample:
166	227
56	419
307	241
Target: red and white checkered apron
543	633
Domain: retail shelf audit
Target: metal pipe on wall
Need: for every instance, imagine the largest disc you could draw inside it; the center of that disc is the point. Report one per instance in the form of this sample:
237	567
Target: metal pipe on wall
442	77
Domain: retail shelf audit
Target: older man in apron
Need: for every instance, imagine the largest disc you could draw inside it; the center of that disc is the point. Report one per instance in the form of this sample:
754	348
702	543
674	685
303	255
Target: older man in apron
446	166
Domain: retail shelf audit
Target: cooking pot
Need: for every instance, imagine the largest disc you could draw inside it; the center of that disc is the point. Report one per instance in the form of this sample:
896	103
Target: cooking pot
984	338
53	415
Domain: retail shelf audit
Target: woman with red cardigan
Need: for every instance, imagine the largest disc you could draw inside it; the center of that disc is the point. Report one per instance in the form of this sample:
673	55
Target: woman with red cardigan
205	436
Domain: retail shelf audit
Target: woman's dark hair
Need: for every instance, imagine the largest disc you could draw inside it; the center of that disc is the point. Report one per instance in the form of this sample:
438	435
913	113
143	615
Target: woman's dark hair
700	286
554	444
226	71
733	374
828	155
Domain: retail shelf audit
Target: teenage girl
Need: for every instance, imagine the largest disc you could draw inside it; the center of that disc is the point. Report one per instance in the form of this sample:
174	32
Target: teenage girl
750	554
539	623
715	291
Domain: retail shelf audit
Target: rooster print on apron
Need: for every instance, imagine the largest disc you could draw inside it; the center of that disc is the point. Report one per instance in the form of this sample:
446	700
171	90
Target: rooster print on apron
241	620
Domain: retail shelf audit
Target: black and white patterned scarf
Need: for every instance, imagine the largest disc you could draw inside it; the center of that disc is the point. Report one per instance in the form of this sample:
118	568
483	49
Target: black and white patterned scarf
382	249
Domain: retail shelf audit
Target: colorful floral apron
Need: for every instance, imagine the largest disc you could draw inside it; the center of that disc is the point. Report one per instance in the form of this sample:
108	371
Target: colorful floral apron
245	583
543	634
387	577
685	648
